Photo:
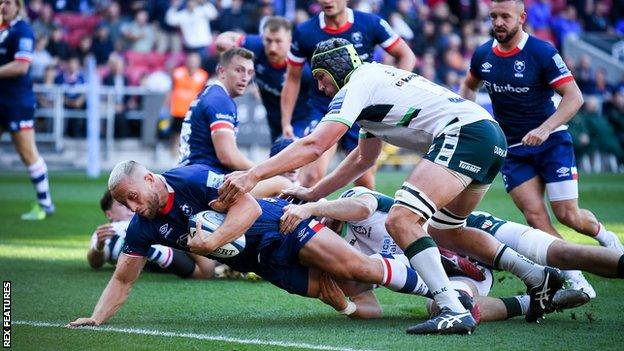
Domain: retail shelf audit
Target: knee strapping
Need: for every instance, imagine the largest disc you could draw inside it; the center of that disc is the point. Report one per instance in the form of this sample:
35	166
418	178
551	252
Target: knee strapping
445	219
414	200
534	245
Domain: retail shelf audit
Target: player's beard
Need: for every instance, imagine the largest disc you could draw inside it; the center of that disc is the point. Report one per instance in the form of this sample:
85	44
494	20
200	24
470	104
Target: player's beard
508	36
153	206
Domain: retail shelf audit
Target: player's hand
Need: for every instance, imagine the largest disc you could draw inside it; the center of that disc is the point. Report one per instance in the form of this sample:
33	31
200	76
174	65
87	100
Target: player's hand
331	294
288	132
301	193
196	243
235	185
81	322
293	215
104	231
537	136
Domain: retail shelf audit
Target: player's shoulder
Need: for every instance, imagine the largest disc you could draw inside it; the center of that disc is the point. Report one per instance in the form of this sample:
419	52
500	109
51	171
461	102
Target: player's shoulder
308	26
253	42
484	48
217	98
539	46
22	27
365	17
195	173
137	227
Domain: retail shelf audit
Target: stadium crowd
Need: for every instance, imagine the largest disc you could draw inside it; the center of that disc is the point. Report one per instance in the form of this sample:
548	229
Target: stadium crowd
142	43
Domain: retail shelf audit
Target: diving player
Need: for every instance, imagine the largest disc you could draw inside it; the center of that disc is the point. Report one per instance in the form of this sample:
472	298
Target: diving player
364	31
520	73
464	150
17	100
270	52
108	240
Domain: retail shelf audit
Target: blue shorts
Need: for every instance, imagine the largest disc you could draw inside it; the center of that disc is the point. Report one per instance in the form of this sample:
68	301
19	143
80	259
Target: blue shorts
553	162
279	260
348	142
14	118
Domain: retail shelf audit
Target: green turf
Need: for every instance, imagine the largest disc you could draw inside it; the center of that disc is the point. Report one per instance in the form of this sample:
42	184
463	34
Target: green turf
52	283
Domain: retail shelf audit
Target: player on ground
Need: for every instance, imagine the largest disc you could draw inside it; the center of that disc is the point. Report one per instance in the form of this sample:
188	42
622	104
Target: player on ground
108	240
464	150
209	129
520	73
293	262
364	31
270	51
17	100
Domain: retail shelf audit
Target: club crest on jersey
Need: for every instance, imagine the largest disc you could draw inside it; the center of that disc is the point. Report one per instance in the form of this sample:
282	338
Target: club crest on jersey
356	37
485	67
519	67
186	209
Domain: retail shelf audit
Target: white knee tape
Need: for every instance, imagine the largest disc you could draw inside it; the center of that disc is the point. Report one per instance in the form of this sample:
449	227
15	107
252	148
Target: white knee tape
534	244
414	200
445	219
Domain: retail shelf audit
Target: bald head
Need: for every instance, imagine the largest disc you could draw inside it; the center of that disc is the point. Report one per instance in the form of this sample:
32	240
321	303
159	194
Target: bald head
123	170
134	186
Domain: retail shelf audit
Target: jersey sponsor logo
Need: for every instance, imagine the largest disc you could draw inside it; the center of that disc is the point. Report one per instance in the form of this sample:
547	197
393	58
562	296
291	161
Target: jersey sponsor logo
508	88
560	63
456	100
214	180
336	104
225	116
405	79
519	67
500	151
563	172
362	230
485	67
469	167
487	224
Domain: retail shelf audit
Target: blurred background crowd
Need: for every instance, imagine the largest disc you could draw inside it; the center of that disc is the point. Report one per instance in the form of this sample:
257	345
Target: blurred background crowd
142	43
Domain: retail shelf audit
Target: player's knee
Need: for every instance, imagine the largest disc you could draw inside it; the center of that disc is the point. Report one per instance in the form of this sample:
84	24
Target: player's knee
536	218
360	269
567	215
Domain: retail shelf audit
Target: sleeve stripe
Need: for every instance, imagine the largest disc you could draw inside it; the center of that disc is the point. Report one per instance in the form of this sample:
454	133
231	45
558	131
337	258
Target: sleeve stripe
24	55
559	81
295	60
391	42
133	254
220	125
337	119
24	59
212	131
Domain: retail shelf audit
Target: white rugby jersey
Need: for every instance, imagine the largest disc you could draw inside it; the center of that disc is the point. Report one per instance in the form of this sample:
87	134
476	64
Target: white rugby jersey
113	245
370	235
401	107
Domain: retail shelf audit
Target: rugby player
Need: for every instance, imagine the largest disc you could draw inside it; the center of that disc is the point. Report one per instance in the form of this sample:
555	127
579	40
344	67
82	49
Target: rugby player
520	73
108	240
464	150
364	31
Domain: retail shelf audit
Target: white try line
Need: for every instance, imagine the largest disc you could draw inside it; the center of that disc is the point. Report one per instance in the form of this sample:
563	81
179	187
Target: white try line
192	336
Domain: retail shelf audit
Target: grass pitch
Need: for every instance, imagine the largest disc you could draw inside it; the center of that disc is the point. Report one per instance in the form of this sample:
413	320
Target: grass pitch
52	284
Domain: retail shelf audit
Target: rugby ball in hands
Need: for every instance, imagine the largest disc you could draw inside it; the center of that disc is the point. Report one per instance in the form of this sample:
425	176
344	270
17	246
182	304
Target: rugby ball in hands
210	221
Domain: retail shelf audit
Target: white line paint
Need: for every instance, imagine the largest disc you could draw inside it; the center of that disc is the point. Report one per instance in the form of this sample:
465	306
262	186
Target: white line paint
192	336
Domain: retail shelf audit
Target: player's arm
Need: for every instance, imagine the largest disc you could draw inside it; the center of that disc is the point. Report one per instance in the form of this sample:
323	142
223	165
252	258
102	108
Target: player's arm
361	306
288	98
228	152
227	40
469	87
95	255
344	209
571	101
116	292
14	68
241	214
403	54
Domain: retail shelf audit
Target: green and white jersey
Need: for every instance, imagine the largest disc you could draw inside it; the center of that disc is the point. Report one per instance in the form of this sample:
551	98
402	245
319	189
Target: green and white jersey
401	107
370	235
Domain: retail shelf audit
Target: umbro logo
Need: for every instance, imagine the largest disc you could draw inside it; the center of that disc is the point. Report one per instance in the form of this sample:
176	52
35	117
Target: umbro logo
563	172
486	67
163	229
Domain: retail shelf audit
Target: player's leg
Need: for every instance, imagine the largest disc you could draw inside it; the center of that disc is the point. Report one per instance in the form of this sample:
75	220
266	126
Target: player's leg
529	198
594	259
24	142
270	187
204	267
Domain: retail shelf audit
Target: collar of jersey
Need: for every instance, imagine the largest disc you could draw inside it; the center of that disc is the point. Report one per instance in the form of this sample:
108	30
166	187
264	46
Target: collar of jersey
517	49
17	19
219	83
342	28
170	198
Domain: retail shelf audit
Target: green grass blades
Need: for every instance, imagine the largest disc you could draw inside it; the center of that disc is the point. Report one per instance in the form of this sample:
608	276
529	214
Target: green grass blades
52	285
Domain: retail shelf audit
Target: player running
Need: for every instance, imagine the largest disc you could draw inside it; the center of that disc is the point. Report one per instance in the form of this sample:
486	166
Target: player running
464	150
364	31
270	52
17	100
520	73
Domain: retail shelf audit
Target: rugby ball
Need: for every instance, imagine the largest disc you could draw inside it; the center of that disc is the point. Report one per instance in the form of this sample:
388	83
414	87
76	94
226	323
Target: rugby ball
211	220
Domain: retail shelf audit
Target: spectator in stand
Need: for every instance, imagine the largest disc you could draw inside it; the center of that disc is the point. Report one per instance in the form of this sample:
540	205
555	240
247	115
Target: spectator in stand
71	77
139	33
566	24
85	7
167	38
44	24
118	80
40	60
193	21
188	81
57	47
84	49
33	11
601	88
539	15
585	75
596	16
616	119
236	18
102	46
603	140
114	22
46	99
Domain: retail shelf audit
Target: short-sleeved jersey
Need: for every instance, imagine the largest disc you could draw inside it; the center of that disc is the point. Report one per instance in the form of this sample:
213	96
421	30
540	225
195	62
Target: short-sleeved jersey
213	110
270	80
17	42
484	221
520	83
370	235
363	30
400	107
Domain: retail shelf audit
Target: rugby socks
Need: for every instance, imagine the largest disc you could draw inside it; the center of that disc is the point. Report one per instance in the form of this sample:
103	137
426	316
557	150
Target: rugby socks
38	173
424	257
621	267
161	255
401	278
528	271
602	235
517	305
